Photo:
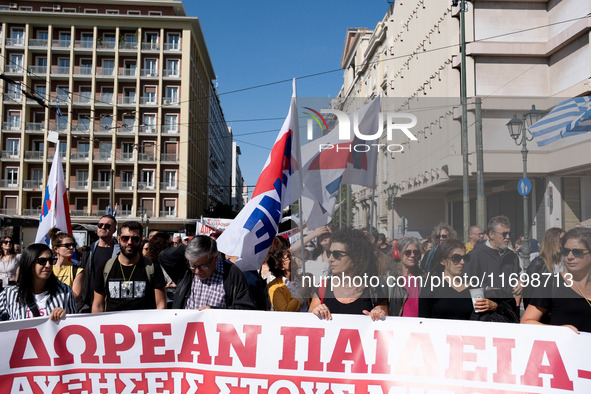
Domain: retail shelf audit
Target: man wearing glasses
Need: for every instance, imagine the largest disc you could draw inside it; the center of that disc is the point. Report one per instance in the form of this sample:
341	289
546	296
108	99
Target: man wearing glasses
496	258
440	234
476	236
100	252
204	279
129	281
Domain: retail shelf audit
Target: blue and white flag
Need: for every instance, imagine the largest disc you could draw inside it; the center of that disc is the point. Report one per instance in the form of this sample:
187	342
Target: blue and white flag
566	119
58	110
250	235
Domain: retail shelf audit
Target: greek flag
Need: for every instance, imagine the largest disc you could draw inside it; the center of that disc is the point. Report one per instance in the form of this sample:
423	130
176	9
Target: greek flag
569	118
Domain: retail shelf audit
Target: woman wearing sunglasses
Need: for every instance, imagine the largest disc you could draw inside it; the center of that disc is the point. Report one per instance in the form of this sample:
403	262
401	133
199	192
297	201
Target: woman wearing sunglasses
8	262
565	299
64	245
404	278
351	255
285	291
37	291
450	299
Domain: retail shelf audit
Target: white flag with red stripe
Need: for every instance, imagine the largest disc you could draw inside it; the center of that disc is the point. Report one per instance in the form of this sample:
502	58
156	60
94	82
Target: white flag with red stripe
250	235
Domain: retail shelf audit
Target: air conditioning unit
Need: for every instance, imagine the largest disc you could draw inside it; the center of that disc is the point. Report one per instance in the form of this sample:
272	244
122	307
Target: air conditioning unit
153	130
57	7
141	186
167	101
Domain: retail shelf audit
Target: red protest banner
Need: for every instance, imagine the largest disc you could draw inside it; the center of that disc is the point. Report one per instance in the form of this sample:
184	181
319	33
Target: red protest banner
223	351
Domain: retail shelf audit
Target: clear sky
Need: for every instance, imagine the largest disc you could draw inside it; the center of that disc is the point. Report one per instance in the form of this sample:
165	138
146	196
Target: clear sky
264	41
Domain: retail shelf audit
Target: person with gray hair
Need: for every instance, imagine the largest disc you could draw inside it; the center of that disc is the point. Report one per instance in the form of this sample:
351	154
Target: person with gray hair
204	279
403	297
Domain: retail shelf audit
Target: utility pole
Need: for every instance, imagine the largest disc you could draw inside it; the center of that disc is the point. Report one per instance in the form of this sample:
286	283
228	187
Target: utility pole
480	199
464	135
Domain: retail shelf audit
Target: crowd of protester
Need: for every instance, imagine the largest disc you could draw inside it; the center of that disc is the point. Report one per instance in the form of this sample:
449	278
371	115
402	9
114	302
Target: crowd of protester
130	272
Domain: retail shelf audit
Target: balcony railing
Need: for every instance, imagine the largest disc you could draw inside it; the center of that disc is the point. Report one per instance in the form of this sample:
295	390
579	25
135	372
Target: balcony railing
80	185
83	70
101	185
169	186
171	72
168	213
32	212
60	70
148	100
106	44
102	156
79	212
37	69
85	44
81	99
150	129
170	129
145	186
128	45
149	72
127	72
150	46
172	46
8	211
82	127
11	125
104	99
9	183
10	154
80	155
61	43
33	184
35	127
125	185
127	156
34	154
124	213
127	100
15	42
170	100
146	157
38	43
105	71
126	128
169	157
13	96
13	69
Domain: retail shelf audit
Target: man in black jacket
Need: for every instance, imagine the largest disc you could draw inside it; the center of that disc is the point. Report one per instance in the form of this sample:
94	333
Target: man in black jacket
204	279
496	264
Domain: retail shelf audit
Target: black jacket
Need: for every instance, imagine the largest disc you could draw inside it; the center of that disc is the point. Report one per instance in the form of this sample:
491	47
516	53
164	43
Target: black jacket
174	263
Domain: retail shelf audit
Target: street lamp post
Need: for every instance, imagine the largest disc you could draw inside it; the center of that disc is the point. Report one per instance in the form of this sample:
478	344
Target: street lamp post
519	130
392	191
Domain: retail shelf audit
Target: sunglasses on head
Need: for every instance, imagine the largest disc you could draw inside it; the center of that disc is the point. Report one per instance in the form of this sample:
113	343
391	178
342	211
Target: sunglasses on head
106	226
134	238
68	245
456	258
407	253
44	260
578	253
337	254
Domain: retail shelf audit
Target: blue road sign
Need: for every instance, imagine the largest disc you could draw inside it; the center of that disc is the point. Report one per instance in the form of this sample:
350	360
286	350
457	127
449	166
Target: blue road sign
524	186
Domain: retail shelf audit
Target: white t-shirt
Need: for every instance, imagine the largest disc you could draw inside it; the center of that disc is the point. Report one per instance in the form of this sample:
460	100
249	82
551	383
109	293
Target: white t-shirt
41	301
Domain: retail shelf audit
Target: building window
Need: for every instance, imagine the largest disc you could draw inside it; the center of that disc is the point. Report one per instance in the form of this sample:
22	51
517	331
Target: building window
13	147
11	175
169	207
170	180
147	179
90	11
25	8
133	12
173	41
69	10
112	12
155	13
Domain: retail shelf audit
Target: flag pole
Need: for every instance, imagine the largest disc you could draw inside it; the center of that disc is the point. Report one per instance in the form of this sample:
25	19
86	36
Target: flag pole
371	210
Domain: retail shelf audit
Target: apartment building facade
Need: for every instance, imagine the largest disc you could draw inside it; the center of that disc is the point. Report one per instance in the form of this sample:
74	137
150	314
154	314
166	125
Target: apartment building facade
519	54
128	87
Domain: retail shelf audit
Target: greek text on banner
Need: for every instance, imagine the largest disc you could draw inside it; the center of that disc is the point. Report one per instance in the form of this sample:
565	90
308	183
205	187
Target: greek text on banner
222	351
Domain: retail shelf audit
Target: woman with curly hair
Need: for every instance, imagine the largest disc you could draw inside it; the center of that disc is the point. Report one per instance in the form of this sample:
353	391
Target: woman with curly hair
64	246
37	291
285	291
8	262
351	255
